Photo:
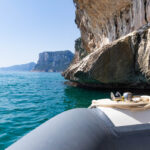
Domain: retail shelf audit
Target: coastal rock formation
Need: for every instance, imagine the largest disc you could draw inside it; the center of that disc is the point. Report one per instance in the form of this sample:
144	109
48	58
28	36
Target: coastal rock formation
116	38
56	61
124	62
80	52
103	21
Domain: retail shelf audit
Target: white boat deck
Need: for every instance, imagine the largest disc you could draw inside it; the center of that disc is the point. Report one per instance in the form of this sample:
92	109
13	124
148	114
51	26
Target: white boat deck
120	117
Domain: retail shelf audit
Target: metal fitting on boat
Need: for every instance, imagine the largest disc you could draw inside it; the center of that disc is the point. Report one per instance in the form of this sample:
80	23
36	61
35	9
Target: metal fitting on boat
128	96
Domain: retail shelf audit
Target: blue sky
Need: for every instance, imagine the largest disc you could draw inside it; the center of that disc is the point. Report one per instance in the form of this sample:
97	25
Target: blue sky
28	27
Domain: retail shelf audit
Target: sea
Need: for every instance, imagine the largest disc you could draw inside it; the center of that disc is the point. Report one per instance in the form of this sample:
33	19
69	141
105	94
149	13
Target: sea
28	99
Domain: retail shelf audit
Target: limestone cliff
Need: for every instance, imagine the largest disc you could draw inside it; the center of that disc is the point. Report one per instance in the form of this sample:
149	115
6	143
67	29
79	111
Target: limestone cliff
56	61
103	21
115	36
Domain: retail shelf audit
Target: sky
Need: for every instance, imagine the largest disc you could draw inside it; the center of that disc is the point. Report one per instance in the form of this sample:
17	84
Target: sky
29	27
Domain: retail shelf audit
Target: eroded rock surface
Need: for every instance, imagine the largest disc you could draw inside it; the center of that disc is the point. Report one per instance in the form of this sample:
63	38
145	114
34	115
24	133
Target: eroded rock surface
103	21
123	63
115	44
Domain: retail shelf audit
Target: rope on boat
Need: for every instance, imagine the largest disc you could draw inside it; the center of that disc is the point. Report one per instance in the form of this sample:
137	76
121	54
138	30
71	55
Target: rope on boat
137	103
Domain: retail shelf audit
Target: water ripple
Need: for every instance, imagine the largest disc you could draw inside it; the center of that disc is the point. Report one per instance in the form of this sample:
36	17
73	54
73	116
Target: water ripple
29	99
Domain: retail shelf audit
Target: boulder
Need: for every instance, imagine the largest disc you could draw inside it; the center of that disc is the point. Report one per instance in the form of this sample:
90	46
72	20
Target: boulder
124	63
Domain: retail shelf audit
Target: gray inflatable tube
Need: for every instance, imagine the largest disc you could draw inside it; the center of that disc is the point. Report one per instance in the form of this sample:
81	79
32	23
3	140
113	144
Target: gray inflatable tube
84	129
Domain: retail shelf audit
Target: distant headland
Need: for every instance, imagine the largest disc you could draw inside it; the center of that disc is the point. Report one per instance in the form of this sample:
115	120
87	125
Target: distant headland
56	61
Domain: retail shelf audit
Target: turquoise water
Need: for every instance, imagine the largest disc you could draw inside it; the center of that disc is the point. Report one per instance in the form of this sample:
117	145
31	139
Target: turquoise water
29	99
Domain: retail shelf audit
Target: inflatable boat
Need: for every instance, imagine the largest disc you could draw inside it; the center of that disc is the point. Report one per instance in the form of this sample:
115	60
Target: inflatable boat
90	129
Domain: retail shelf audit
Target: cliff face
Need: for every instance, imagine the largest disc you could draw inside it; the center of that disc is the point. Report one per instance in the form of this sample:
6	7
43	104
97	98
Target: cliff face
103	21
115	36
54	61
